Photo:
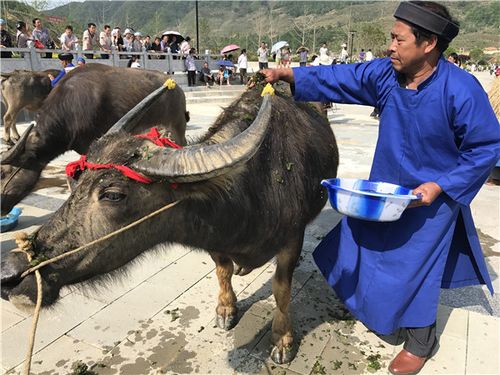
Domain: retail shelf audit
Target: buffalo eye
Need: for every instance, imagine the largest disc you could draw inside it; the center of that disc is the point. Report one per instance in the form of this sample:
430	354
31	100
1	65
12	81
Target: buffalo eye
111	196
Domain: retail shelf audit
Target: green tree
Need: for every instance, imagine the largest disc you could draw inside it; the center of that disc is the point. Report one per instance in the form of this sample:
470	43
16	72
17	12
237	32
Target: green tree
371	35
476	54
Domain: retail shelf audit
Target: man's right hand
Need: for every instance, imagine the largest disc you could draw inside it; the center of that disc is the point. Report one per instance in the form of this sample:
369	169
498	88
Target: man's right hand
274	75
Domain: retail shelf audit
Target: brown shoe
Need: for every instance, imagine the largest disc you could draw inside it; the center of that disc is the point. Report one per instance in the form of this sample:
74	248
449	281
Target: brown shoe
406	363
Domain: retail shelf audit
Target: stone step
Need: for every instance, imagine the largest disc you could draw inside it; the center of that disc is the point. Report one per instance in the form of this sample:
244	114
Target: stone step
212	92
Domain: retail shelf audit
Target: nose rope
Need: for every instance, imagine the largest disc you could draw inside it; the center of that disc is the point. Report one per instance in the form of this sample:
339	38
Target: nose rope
24	245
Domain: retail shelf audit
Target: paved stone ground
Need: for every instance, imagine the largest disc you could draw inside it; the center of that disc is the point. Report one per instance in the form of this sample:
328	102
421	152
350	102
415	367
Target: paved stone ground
159	318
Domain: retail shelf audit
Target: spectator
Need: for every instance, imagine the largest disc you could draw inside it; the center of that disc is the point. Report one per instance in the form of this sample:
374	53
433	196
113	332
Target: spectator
369	55
243	66
453	58
277	58
23	35
174	46
324	57
206	74
6	40
137	42
133	62
185	47
262	54
147	43
220	75
303	51
66	59
315	60
156	47
343	54
362	55
117	39
285	57
80	61
106	41
128	40
68	39
191	67
42	34
90	40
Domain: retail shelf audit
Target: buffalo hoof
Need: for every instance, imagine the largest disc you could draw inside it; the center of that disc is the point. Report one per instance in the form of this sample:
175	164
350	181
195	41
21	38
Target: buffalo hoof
282	355
8	142
242	271
226	322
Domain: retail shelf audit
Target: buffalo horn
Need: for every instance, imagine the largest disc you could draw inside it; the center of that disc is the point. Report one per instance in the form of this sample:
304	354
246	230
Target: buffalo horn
132	117
201	162
15	151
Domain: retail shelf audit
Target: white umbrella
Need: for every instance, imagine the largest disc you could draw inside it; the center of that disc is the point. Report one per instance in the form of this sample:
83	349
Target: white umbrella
278	45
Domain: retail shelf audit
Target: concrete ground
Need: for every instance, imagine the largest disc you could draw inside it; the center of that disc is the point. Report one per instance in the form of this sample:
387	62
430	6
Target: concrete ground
159	318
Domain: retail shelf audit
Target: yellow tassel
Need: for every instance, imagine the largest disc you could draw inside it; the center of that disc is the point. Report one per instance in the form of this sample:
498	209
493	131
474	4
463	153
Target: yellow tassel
268	90
170	84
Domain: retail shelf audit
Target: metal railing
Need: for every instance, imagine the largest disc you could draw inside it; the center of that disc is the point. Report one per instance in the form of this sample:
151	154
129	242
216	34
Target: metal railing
34	59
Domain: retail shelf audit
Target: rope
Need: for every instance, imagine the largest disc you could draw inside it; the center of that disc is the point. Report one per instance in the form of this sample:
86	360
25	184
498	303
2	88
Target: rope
25	246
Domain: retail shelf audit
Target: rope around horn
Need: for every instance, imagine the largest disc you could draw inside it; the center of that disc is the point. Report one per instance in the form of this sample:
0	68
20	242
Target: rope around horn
24	245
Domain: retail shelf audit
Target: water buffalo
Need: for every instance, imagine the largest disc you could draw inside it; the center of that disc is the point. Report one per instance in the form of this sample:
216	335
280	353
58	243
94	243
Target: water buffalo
22	89
257	170
82	107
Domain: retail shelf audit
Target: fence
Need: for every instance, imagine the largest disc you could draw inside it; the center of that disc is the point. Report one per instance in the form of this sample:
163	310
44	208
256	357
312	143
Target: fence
32	59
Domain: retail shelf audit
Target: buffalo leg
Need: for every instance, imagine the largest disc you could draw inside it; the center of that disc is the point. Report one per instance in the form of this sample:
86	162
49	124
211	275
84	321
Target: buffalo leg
282	335
226	306
9	122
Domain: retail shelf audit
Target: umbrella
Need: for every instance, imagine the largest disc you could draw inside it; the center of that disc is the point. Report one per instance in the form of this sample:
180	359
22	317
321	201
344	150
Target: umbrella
170	33
302	49
224	63
229	48
278	45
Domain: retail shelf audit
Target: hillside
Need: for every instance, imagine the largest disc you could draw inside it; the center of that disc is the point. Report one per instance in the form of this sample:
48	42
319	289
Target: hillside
248	22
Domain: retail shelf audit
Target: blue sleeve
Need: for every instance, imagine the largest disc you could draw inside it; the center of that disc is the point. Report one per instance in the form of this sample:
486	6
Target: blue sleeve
58	78
477	134
344	83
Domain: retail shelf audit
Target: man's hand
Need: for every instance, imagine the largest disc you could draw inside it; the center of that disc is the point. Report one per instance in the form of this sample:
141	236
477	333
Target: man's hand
274	75
428	192
51	77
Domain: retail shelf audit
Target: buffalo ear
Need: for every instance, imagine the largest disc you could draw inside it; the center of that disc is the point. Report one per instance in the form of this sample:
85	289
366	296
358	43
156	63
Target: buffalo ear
17	150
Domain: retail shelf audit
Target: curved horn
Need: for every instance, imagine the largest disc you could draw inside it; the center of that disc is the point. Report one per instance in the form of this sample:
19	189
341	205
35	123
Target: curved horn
201	162
15	151
132	117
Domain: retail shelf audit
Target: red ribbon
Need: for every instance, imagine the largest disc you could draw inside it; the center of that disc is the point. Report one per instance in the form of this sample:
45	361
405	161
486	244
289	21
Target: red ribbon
153	136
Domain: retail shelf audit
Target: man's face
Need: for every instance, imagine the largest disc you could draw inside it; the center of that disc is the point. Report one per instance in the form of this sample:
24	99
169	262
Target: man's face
406	55
68	32
38	24
107	30
92	29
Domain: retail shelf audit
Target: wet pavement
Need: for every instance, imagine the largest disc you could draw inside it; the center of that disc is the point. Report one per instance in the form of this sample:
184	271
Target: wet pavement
159	317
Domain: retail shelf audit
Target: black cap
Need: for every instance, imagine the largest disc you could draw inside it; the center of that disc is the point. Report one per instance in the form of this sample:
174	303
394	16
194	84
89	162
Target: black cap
66	56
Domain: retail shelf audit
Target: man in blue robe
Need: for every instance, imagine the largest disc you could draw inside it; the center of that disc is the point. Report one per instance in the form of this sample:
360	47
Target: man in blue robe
439	136
66	62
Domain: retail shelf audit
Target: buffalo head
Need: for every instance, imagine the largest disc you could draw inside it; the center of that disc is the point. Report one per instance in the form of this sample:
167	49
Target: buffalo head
105	200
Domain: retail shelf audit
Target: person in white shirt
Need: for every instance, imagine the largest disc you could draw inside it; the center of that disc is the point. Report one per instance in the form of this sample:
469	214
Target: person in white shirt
185	47
90	40
243	65
68	39
369	55
324	57
106	41
262	53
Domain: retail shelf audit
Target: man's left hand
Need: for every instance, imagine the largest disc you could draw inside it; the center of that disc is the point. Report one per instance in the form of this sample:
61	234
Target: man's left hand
428	192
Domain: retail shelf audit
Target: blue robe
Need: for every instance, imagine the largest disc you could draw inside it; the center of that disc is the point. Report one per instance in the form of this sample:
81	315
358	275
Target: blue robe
389	274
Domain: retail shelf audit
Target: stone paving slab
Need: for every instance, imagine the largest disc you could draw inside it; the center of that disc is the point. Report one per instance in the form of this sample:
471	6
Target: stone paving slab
141	326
